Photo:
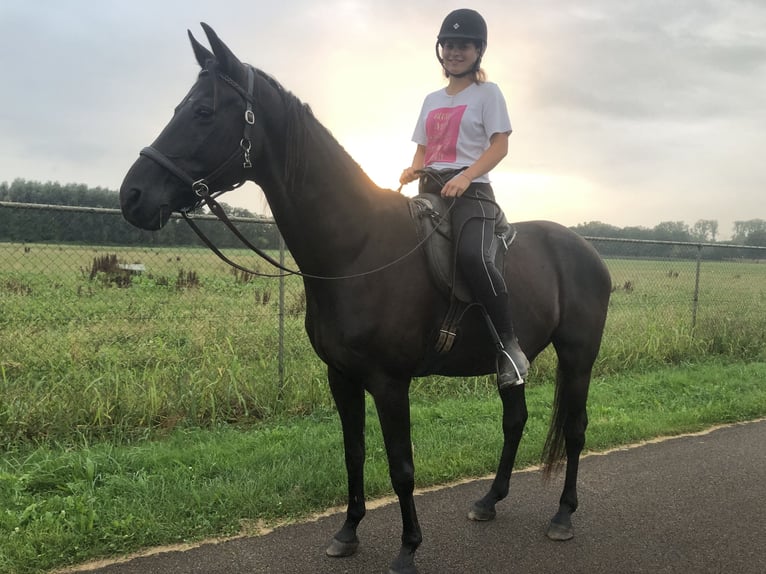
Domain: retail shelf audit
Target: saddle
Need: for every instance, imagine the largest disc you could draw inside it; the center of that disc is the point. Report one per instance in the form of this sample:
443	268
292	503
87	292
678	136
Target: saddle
430	212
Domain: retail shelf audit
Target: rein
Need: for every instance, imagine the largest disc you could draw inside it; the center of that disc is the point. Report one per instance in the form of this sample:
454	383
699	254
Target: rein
201	188
219	212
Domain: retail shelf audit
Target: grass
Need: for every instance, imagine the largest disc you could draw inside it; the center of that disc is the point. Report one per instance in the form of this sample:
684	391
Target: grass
151	414
65	505
83	358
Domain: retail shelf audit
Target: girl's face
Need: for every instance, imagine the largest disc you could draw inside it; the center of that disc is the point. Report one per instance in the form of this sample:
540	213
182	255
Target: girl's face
459	56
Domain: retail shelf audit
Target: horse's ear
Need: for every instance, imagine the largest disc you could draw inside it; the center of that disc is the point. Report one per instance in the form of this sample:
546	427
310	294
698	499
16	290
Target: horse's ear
200	52
223	54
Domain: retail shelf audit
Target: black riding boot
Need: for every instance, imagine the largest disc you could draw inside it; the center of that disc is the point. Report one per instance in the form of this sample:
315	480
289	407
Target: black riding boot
512	364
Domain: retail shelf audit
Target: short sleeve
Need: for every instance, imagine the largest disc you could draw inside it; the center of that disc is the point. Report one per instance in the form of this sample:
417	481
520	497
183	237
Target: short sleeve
495	114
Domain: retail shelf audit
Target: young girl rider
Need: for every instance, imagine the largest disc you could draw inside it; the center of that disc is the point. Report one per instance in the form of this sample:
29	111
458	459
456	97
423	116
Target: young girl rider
466	126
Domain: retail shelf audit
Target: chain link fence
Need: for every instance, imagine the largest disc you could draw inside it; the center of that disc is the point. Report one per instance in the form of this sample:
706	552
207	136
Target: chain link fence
704	282
168	287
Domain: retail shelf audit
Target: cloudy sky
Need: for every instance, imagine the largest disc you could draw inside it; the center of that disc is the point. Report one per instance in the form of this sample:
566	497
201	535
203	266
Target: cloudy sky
631	113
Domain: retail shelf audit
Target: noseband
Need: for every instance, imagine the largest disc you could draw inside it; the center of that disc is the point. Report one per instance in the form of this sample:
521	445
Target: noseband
201	187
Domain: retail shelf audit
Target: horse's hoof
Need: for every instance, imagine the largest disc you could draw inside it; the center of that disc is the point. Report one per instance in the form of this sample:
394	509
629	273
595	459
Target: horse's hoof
405	561
403	569
560	532
481	513
338	549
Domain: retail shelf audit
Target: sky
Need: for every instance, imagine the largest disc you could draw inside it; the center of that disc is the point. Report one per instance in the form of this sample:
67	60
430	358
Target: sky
630	113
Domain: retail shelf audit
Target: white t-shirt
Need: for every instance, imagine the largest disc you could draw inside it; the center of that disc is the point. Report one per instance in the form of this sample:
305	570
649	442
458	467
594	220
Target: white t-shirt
455	130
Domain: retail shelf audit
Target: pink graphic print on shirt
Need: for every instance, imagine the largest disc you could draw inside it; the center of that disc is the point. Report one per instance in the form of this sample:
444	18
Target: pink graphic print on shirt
442	129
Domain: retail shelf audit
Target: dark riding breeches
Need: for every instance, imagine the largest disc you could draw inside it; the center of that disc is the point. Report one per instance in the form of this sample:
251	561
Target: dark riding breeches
473	227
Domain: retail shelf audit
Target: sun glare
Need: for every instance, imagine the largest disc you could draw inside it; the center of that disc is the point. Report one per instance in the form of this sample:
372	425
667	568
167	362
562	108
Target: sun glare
566	199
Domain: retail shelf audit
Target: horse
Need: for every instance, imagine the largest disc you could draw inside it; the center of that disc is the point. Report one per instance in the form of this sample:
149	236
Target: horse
372	308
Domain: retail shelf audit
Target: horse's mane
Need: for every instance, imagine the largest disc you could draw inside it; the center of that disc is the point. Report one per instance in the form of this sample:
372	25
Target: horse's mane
304	130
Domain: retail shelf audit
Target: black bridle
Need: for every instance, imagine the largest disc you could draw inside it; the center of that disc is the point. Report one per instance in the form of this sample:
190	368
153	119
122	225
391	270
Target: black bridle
201	187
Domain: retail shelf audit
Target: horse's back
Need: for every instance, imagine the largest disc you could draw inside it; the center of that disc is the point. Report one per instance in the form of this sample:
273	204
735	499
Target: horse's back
552	250
557	282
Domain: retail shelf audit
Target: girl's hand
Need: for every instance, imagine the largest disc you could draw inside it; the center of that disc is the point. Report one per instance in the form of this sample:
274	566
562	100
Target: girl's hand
408	175
456	186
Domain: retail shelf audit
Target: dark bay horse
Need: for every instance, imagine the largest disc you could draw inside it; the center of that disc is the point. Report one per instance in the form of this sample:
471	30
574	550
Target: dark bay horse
375	330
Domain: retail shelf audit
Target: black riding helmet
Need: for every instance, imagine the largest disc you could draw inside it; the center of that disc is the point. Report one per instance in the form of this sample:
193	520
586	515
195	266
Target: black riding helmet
463	24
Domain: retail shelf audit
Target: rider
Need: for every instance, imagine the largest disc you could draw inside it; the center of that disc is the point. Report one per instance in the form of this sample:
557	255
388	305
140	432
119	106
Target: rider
465	126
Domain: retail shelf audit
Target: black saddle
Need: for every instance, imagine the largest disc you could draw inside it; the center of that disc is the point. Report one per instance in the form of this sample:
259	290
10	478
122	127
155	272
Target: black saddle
431	214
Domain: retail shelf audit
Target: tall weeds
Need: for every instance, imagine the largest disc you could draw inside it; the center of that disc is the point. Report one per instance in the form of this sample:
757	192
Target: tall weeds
82	360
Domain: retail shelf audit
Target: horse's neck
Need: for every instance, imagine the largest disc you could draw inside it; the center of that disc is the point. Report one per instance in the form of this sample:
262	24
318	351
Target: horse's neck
323	206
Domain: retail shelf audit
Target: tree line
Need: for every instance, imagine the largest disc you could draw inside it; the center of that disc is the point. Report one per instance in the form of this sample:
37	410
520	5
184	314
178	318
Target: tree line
750	232
24	225
37	225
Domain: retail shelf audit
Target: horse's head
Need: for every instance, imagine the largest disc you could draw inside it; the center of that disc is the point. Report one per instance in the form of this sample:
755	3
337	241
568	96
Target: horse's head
210	143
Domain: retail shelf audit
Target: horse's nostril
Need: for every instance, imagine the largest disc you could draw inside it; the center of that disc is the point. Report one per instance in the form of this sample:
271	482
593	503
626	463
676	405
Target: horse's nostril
133	195
129	196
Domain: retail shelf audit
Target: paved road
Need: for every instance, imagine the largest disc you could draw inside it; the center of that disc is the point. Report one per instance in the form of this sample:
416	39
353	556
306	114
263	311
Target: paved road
694	504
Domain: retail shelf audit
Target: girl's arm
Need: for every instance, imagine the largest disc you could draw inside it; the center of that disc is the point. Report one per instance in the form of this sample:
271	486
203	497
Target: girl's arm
497	150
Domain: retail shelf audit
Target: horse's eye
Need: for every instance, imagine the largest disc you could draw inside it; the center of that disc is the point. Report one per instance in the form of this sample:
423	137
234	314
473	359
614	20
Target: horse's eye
203	112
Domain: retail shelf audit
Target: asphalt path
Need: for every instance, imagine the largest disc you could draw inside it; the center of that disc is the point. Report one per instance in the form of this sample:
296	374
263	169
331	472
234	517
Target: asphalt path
693	504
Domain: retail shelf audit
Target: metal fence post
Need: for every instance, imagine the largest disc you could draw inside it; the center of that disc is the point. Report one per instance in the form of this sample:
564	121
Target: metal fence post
695	301
281	353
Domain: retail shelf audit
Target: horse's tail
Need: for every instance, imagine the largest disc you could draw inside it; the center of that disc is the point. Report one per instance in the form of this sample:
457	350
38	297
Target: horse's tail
554	449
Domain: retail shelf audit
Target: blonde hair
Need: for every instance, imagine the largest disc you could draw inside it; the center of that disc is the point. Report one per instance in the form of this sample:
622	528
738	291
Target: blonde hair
479	76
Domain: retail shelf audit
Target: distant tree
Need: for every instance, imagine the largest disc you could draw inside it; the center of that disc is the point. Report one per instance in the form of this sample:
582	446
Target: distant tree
596	229
705	230
103	229
672	231
53	193
747	231
236	211
636	233
756	238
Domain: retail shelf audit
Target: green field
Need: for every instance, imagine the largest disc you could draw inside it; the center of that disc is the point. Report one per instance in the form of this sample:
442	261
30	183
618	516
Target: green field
189	343
154	413
652	316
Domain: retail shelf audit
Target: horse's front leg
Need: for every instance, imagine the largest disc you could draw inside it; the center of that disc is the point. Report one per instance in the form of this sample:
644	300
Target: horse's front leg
393	406
514	419
349	399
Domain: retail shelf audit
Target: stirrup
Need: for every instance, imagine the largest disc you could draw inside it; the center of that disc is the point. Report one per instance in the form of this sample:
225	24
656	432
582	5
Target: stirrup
518	381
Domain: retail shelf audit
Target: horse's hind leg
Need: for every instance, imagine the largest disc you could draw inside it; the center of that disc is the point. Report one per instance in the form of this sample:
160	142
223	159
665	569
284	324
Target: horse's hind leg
571	420
514	419
349	399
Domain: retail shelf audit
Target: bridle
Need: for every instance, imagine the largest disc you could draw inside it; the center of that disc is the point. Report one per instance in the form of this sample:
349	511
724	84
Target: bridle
201	188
